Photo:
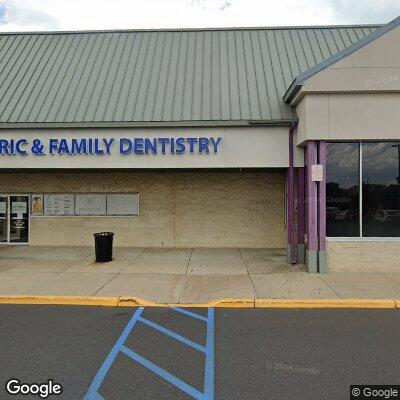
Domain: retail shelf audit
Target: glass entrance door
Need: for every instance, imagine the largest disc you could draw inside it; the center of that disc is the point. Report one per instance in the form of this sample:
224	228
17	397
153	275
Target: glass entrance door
14	219
3	219
19	219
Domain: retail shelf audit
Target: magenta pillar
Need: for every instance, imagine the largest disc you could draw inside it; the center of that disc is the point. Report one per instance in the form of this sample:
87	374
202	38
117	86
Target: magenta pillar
312	209
322	257
291	233
300	215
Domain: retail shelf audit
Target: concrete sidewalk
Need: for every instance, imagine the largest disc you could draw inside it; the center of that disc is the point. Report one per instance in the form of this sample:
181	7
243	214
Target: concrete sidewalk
166	275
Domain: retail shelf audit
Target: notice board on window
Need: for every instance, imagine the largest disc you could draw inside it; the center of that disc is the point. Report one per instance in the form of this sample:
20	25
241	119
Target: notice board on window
59	204
123	204
91	204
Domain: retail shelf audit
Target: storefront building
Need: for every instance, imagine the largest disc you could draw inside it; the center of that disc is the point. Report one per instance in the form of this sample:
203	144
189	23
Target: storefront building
261	137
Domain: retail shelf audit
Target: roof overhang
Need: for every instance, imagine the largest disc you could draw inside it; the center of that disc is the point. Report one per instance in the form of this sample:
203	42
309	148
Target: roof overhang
145	124
298	83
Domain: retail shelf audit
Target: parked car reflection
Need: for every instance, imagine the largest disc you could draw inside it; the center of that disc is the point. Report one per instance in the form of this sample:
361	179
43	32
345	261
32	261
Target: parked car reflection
383	216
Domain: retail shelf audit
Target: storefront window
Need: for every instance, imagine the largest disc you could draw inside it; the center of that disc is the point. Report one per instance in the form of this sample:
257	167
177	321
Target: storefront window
381	189
342	189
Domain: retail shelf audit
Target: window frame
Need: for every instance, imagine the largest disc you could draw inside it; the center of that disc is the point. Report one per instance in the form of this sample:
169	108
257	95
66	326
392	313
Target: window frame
360	199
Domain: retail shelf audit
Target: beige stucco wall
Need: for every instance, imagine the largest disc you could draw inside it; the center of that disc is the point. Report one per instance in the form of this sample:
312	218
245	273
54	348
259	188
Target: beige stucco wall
177	209
372	68
363	256
345	116
356	98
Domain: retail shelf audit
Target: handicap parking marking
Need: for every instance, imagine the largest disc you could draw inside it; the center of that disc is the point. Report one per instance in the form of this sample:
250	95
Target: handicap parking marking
119	347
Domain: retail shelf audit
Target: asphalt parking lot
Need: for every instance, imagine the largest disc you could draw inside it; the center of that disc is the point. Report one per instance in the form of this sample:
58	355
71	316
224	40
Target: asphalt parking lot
162	353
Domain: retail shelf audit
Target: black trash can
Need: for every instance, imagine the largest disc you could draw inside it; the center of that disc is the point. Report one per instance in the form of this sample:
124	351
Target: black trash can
103	245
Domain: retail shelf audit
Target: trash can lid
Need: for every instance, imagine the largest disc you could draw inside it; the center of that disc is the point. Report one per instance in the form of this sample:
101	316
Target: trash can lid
103	234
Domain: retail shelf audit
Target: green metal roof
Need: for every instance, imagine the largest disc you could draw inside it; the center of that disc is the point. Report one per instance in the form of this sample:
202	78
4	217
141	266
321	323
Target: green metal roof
164	77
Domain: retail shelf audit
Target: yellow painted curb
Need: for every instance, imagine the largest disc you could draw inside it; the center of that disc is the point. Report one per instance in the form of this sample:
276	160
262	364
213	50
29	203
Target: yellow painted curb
222	303
137	302
233	303
227	303
325	303
61	300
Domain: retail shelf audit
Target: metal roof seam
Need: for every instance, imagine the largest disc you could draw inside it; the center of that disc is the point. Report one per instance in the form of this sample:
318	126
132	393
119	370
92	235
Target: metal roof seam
133	76
171	72
92	73
264	75
256	89
34	84
13	71
174	112
150	101
83	88
274	90
76	85
56	91
139	42
108	89
107	75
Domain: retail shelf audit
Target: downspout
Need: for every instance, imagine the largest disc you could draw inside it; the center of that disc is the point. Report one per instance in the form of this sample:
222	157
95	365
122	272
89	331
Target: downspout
292	256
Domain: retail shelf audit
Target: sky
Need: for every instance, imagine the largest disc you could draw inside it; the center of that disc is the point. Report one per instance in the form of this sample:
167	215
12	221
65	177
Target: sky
33	15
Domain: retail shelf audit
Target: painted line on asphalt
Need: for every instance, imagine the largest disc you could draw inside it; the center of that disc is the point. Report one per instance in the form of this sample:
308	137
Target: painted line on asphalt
102	372
189	313
208	350
191	391
209	372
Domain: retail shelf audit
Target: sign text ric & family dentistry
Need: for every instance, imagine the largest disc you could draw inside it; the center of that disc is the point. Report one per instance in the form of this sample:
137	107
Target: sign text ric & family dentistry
101	146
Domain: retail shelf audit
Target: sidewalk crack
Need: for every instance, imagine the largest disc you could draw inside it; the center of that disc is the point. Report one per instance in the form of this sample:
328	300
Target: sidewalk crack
106	283
391	279
186	272
330	287
248	273
132	260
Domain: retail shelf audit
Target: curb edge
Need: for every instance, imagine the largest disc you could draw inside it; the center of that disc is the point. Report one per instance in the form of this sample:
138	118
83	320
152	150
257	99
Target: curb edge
123	301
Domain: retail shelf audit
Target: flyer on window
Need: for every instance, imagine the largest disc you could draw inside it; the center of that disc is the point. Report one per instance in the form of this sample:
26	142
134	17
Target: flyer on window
37	204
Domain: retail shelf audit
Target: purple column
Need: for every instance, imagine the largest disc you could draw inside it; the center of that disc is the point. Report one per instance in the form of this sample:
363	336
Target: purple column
322	198
312	210
291	233
300	215
300	205
322	257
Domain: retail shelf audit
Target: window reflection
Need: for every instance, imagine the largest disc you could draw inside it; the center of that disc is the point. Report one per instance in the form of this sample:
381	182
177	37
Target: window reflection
342	189
381	189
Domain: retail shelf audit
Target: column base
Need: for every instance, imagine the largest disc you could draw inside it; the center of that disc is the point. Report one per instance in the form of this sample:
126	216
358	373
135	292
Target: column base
322	262
312	261
301	256
289	254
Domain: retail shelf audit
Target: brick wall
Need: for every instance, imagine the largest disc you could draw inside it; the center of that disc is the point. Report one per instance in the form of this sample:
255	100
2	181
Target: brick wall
181	209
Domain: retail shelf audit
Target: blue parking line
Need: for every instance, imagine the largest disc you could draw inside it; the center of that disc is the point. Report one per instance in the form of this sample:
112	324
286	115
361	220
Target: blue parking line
163	374
101	374
209	370
93	394
189	313
173	334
